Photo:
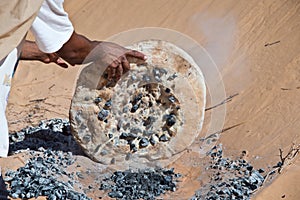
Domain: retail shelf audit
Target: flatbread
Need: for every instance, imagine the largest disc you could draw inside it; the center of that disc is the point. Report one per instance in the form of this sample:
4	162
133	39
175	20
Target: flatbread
148	117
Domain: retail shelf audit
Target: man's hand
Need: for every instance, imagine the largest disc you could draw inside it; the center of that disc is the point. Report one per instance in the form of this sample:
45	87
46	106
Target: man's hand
30	51
80	49
115	58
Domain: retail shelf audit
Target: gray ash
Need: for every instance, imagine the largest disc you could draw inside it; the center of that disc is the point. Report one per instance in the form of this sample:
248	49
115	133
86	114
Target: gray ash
143	184
43	175
49	146
231	179
54	134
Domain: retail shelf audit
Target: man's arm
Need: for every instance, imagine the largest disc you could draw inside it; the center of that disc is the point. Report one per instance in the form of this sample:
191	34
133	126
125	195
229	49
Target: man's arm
30	51
79	49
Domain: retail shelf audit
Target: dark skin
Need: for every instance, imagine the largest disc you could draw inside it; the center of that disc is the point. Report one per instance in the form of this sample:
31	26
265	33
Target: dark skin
79	49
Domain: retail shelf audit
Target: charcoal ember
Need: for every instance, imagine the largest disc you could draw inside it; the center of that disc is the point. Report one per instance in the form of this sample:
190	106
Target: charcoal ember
115	194
146	78
172	99
44	174
128	136
163	71
55	130
137	98
163	138
167	90
230	179
142	184
103	114
134	108
145	104
135	130
156	72
149	121
133	147
171	120
144	142
172	77
108	104
97	100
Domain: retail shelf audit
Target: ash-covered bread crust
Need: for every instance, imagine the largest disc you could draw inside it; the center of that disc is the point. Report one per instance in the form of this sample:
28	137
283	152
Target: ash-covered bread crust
152	114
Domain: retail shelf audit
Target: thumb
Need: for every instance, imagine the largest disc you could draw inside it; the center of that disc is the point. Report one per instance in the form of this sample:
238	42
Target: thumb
61	63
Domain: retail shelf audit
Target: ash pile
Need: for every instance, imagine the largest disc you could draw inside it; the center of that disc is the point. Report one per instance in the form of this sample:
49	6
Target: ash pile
50	148
52	153
143	184
230	179
54	134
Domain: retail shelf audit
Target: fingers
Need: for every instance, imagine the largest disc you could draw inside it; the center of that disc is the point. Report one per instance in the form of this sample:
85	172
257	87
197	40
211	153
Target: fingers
119	71
136	54
61	63
112	68
125	64
53	57
111	73
120	66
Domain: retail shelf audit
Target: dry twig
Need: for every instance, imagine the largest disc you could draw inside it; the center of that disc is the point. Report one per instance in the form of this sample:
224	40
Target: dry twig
221	131
228	99
284	160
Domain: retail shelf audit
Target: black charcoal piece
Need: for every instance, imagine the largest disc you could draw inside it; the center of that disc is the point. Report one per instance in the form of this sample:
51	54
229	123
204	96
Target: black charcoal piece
163	138
171	120
125	109
144	142
135	131
113	161
38	176
124	135
240	179
133	147
167	90
146	78
103	114
172	99
143	184
158	101
97	100
104	152
149	121
134	108
137	98
108	103
150	104
163	71
86	139
115	194
156	72
172	77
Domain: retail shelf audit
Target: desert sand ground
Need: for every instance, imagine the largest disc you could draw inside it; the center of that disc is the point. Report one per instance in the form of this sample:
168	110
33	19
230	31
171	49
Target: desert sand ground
255	45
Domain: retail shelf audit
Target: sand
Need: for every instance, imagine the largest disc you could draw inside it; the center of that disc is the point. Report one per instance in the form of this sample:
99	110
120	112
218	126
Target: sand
255	45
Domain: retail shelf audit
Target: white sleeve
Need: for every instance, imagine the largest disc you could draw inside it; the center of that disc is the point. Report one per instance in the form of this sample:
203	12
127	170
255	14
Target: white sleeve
52	27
